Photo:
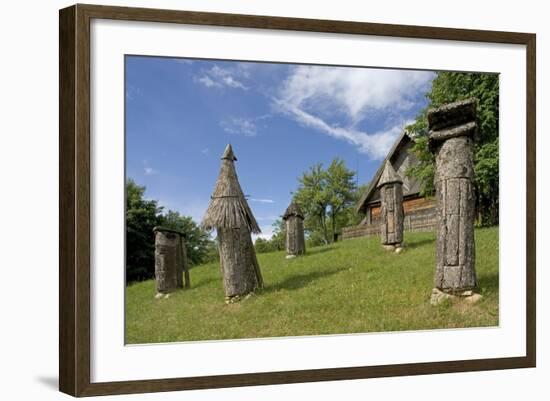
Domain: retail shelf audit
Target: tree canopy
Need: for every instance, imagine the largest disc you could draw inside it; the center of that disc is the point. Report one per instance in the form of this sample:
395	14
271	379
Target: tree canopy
325	195
448	87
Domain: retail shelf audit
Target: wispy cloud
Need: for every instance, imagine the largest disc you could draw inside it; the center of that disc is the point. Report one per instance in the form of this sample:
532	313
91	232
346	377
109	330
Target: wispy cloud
205	151
261	200
313	95
148	170
196	208
183	61
218	77
267	233
267	218
240	126
132	92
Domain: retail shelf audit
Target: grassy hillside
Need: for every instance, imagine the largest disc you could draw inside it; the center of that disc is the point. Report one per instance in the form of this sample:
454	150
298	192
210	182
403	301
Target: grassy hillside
347	287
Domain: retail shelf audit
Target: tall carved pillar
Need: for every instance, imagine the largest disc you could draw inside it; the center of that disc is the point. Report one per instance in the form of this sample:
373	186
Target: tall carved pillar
295	239
391	208
169	260
452	128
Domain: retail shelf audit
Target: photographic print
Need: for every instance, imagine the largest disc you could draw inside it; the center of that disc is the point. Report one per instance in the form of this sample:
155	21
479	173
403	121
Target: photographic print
276	199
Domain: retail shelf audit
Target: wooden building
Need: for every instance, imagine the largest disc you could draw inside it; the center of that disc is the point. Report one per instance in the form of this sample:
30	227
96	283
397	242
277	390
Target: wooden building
419	211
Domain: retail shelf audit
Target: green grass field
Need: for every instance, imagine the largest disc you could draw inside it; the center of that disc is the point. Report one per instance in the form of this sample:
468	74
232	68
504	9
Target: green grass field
347	287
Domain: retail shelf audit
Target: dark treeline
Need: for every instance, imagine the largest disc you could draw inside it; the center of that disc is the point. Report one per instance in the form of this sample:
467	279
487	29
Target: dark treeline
142	216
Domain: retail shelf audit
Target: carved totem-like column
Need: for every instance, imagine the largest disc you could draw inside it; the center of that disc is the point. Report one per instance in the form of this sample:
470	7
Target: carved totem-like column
295	239
170	260
391	208
452	128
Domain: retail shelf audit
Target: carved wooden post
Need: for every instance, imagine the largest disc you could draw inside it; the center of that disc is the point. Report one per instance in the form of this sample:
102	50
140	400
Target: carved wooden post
295	239
452	128
231	216
391	208
168	260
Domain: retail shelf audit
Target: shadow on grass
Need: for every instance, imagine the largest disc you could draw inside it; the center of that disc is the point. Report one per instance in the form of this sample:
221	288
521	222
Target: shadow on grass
419	243
298	281
318	249
488	282
202	283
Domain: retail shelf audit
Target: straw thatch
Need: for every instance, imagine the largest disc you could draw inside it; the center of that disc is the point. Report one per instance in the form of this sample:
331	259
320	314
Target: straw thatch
232	218
228	207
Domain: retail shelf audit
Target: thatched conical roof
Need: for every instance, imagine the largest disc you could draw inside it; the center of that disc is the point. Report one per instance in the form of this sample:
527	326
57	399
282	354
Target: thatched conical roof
389	175
228	207
293	210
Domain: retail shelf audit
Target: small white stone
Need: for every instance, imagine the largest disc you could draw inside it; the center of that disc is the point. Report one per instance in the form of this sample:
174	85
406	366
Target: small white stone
398	250
167	296
439	297
159	295
290	256
474	298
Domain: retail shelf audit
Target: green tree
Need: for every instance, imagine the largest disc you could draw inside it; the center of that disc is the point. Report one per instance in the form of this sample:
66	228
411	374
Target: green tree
277	240
141	217
197	241
325	196
313	199
449	87
341	190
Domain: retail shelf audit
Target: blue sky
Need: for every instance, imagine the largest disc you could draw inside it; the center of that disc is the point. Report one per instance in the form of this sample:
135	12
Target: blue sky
280	118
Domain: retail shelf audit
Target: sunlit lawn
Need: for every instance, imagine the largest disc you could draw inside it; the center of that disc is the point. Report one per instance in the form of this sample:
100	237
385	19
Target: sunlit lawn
348	287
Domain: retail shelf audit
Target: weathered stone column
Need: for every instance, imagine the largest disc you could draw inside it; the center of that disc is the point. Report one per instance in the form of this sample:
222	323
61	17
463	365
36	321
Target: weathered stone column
295	239
452	128
169	260
390	186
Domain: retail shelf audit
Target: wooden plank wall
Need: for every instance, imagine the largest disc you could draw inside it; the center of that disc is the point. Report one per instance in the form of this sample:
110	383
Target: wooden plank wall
420	215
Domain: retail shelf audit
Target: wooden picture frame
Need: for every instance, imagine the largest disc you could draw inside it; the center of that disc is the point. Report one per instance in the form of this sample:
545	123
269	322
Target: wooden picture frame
75	207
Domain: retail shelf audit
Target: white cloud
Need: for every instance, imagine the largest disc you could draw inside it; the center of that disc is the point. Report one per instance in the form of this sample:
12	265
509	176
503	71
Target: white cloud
132	92
267	233
217	77
267	218
205	151
183	61
147	169
376	145
206	81
241	126
262	200
150	171
196	208
313	95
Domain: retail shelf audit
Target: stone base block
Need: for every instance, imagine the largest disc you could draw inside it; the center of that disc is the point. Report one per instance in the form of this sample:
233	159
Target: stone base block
237	298
468	296
397	248
290	256
162	295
